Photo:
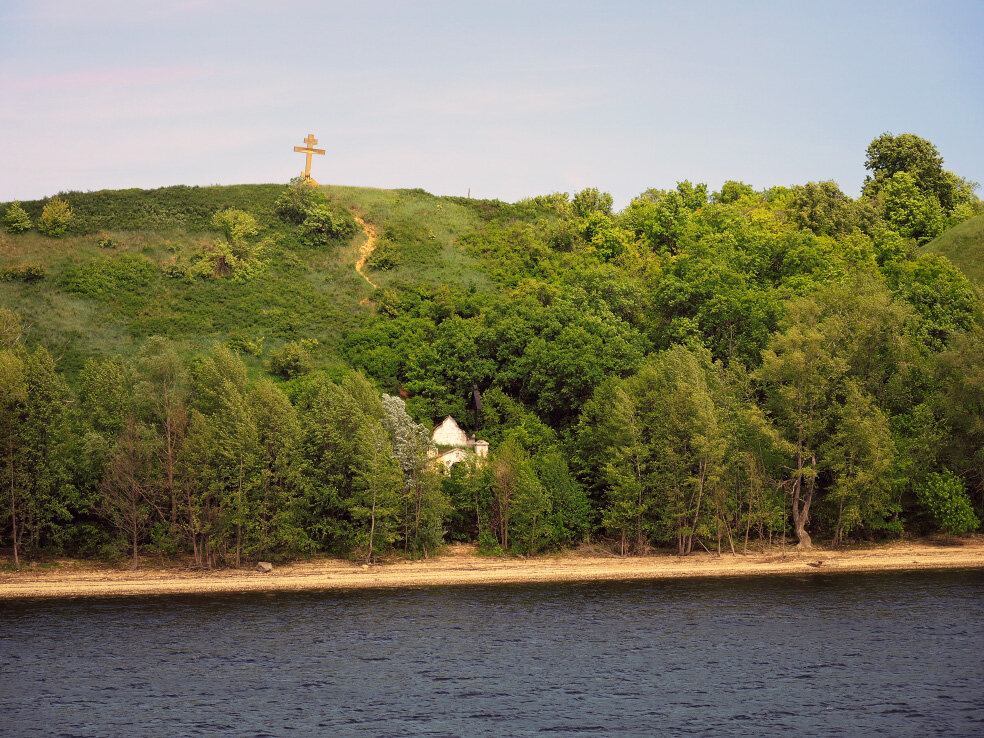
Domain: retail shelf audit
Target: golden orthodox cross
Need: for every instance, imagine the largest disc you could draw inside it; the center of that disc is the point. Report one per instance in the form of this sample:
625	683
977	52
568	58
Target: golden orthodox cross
309	149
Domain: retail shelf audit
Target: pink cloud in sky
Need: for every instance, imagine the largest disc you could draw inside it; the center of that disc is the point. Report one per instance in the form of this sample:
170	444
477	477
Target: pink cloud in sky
89	79
72	12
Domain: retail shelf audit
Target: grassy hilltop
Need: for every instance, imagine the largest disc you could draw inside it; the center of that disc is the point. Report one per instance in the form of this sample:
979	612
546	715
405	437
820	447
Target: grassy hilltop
964	246
109	282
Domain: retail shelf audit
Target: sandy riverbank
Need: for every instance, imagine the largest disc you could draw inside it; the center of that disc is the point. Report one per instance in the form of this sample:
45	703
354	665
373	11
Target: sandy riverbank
458	565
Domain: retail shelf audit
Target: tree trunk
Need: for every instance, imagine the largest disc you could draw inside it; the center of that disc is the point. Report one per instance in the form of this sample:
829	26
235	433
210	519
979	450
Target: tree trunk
801	513
239	516
134	521
372	526
13	505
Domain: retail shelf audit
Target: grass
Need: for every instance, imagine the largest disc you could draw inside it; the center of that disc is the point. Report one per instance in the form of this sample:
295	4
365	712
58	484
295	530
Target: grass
114	279
964	246
419	235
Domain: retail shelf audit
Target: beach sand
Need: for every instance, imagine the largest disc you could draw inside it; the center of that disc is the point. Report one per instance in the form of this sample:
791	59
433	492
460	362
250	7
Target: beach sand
458	565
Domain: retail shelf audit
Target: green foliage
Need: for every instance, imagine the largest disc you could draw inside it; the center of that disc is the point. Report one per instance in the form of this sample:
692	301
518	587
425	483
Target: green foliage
122	281
325	224
910	211
676	373
16	219
55	218
822	208
298	200
946	501
732	192
291	360
163	209
237	225
889	155
23	273
590	201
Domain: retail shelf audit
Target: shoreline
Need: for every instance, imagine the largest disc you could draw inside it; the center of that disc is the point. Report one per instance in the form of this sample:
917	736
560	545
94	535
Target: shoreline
458	565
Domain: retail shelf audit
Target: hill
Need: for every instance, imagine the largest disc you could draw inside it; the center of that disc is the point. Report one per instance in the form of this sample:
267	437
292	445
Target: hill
964	246
696	370
113	280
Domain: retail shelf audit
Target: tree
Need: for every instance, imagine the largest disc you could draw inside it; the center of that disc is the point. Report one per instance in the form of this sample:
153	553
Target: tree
46	489
16	219
275	525
589	201
665	219
910	210
423	504
127	488
685	431
570	510
859	454
55	218
822	208
161	389
291	360
732	191
223	457
800	373
889	155
13	400
629	490
375	504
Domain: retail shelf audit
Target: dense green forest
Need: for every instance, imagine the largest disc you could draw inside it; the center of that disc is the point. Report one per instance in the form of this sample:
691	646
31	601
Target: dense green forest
201	371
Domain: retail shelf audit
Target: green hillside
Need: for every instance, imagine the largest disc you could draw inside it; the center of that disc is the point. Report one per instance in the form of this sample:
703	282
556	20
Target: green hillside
700	369
964	246
109	283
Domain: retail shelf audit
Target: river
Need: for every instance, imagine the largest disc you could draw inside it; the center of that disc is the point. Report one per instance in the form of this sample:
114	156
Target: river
874	654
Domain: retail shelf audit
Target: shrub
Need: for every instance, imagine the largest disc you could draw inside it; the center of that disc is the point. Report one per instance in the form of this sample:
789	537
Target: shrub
325	223
55	218
243	344
299	199
291	361
946	500
237	225
111	280
25	273
16	219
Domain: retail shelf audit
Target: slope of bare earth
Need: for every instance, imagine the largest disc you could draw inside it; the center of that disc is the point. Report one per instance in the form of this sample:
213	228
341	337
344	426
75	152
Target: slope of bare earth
459	565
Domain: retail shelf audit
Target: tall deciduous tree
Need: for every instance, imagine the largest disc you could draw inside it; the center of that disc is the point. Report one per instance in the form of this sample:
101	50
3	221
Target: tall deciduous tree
129	484
162	389
888	155
800	373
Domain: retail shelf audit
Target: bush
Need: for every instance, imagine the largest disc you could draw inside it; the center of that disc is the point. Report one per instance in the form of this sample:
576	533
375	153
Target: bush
55	218
947	502
25	273
112	280
291	361
325	223
237	225
299	199
16	219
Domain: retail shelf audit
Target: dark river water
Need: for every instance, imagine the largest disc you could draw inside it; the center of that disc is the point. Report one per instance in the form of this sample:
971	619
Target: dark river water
855	655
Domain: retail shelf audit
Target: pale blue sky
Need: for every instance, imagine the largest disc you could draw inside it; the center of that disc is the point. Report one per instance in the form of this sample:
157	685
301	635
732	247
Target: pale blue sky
510	99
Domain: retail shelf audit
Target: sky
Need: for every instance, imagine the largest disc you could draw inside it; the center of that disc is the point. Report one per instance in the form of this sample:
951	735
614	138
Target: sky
504	99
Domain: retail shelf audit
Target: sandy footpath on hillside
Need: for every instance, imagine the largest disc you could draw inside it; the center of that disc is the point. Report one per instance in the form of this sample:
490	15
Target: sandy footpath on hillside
459	565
